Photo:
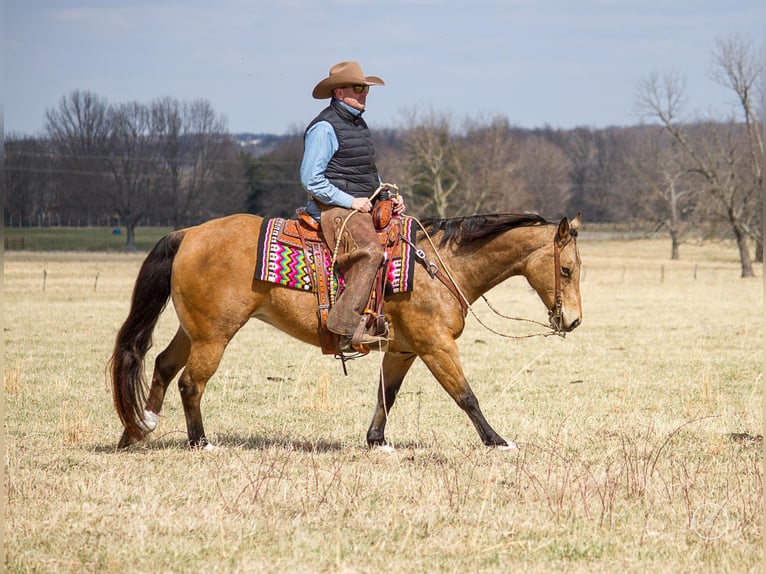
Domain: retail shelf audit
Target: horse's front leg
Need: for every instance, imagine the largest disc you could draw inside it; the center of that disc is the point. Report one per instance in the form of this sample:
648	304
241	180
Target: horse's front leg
392	373
444	364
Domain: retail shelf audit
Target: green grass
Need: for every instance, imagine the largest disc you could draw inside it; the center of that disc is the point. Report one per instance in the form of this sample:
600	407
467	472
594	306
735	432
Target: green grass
78	238
635	433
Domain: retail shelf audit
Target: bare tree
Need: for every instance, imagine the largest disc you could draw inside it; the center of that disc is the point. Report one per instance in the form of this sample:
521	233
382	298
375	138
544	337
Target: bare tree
191	139
78	132
737	65
391	158
227	191
79	126
546	171
274	180
133	160
598	184
132	163
664	195
30	196
434	165
491	180
723	160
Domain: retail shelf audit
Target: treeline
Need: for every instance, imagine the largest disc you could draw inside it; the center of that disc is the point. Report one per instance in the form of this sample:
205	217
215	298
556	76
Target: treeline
128	163
174	162
638	175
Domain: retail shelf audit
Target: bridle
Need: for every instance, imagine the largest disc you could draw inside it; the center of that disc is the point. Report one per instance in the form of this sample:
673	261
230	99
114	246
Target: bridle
555	315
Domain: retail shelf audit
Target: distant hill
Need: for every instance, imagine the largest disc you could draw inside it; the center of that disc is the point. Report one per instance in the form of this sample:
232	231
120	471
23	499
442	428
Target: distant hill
258	144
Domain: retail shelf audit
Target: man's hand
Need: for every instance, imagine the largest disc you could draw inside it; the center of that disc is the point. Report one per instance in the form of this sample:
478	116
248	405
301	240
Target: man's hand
398	202
361	204
365	205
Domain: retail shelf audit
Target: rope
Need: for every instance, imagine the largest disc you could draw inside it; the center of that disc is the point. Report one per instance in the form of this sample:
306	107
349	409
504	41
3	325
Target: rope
447	272
444	265
508	336
470	307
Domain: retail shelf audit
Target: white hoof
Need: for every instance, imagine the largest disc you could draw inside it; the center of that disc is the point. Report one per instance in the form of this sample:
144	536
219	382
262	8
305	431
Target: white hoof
510	447
148	421
385	448
211	448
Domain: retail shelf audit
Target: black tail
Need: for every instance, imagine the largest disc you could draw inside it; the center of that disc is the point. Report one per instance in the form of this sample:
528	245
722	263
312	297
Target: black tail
150	295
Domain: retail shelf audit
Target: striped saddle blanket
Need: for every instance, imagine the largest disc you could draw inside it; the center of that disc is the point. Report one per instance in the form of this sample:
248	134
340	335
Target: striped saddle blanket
287	249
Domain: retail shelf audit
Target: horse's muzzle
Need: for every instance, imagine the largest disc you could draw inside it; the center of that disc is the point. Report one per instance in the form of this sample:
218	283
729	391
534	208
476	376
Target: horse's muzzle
558	324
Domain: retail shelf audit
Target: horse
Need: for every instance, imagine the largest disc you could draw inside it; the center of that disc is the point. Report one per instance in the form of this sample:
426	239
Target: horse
208	273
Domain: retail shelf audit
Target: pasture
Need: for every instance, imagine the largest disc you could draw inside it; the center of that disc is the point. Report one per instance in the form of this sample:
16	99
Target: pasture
640	436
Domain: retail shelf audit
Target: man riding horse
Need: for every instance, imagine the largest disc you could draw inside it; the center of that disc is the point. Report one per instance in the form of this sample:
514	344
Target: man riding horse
339	174
208	273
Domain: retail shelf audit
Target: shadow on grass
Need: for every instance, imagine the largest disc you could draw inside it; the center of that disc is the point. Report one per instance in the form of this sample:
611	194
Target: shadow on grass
246	442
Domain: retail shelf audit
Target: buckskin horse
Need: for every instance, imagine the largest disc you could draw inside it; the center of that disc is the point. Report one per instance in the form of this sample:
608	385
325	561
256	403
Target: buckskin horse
207	272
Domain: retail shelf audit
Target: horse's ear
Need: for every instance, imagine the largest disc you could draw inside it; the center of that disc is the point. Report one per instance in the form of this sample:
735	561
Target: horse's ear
568	230
574	224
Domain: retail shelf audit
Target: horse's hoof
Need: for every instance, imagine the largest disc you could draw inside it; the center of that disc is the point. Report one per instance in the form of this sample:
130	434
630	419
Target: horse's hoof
205	446
510	447
125	441
384	448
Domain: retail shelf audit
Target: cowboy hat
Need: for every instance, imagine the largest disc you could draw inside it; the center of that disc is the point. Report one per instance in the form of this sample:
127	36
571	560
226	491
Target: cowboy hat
344	74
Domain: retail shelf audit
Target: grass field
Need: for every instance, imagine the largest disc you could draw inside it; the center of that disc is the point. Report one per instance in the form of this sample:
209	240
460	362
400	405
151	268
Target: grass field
78	238
640	436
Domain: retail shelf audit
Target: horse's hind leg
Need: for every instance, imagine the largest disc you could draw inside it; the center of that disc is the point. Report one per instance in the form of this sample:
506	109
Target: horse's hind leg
203	362
392	373
166	366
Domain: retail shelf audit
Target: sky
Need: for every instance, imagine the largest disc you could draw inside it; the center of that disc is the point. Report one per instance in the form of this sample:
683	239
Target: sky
537	63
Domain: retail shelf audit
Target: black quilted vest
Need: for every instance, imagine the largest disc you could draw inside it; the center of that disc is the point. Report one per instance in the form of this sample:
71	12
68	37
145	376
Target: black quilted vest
352	168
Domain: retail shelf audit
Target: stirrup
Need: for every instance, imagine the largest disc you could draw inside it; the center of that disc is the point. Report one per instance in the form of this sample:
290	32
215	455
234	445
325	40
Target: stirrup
346	347
361	337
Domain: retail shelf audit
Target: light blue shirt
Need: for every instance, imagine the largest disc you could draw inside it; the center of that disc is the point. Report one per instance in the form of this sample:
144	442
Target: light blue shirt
319	145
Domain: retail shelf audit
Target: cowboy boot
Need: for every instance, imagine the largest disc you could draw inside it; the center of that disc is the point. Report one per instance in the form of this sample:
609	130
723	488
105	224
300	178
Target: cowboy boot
347	318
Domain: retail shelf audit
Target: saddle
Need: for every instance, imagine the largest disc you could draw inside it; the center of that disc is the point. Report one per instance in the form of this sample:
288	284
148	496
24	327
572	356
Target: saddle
305	234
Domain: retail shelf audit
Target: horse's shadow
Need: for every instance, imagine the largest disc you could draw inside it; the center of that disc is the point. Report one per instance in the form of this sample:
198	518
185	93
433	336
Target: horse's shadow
237	441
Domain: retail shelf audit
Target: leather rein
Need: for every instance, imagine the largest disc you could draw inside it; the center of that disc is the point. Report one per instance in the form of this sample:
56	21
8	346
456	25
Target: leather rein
555	315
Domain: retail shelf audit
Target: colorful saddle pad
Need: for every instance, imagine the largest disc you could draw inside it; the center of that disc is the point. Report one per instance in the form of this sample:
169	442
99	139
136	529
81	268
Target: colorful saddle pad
282	259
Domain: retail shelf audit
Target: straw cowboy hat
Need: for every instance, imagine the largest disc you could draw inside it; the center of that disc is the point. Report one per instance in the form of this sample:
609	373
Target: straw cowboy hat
344	74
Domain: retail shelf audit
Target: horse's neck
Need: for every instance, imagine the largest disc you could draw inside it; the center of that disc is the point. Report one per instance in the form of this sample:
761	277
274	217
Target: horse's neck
480	268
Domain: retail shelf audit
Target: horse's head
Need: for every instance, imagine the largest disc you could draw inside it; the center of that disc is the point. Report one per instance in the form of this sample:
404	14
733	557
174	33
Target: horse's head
554	273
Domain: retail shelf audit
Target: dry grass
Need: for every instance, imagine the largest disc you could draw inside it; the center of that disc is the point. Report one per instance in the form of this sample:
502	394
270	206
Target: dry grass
639	433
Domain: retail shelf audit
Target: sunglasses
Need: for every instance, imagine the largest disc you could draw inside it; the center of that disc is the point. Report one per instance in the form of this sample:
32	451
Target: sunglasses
359	89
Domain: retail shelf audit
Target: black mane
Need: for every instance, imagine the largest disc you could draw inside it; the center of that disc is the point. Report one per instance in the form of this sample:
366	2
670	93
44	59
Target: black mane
463	230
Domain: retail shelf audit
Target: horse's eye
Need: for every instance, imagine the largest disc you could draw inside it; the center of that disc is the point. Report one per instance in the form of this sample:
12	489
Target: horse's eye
566	272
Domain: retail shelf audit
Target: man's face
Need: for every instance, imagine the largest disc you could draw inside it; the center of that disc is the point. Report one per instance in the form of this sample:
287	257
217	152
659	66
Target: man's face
354	96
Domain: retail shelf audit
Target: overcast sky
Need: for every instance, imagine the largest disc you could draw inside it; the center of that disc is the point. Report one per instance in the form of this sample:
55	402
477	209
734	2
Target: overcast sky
537	62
